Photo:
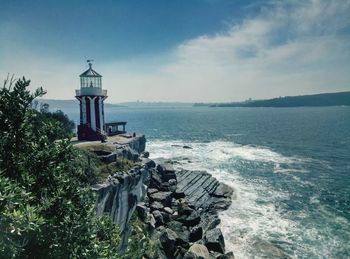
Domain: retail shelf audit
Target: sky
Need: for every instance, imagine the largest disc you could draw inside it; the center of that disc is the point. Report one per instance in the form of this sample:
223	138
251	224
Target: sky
179	50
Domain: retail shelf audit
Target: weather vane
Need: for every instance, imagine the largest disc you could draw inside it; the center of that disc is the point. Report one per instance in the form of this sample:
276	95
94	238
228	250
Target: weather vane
89	61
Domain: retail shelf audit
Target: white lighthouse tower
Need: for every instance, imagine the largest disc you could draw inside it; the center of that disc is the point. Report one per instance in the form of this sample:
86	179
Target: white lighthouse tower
91	97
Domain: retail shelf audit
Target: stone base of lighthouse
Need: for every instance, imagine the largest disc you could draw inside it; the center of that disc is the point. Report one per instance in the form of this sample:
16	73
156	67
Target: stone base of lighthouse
91	118
86	133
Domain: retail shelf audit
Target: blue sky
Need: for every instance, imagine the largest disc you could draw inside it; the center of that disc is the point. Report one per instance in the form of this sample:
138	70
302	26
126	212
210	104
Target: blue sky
179	50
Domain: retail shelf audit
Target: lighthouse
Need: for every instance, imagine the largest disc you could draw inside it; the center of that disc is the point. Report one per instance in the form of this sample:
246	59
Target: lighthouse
91	97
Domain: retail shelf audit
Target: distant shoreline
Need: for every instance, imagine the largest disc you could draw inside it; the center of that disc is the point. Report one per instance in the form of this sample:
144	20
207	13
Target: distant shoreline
315	100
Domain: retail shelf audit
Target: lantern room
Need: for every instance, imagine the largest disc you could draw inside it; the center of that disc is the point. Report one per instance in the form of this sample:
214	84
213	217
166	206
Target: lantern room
90	78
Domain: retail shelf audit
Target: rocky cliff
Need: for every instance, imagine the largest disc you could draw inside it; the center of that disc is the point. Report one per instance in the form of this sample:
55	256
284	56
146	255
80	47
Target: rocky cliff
183	207
119	195
179	208
122	191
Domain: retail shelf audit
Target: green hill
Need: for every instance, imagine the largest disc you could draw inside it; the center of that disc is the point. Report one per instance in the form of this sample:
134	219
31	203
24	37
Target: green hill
327	99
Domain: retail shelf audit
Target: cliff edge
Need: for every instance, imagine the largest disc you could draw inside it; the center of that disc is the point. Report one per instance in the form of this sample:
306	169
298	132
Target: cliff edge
179	208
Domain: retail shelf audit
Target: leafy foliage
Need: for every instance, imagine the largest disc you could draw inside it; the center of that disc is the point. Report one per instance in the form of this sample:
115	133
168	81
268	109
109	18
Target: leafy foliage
67	125
140	243
46	205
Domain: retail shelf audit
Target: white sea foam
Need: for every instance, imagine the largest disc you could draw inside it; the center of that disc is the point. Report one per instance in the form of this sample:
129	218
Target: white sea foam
253	216
244	220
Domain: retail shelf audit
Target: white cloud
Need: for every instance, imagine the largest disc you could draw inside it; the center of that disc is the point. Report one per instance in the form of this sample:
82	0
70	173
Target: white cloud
289	48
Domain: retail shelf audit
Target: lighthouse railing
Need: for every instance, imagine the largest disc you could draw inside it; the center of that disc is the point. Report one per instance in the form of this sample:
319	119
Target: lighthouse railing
91	91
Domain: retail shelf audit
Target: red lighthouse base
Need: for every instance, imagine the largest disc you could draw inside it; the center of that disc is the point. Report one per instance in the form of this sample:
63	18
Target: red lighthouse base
86	133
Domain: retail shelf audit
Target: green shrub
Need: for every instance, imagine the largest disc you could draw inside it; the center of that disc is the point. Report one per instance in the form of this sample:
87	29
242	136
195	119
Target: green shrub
47	209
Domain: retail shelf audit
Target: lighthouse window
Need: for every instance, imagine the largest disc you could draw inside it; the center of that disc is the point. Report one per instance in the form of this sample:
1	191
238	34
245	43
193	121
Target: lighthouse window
98	82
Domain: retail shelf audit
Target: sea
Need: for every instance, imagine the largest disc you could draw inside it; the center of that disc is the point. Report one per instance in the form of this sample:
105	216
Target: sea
289	168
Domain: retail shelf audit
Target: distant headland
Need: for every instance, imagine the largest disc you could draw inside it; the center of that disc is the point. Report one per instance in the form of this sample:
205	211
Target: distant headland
327	99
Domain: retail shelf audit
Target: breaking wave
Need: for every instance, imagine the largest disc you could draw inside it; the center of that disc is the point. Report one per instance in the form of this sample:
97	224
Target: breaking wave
258	224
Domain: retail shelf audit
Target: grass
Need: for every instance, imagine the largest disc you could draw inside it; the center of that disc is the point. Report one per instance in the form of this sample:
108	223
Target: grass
121	165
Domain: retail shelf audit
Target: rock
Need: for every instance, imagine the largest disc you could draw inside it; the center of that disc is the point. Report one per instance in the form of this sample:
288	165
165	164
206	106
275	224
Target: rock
136	143
183	208
166	217
180	252
214	255
148	162
172	182
152	222
146	200
172	185
180	230
156	181
203	191
168	210
223	191
158	218
214	240
174	204
156	205
197	251
119	196
142	211
152	190
167	172
175	226
179	194
209	222
159	168
165	187
196	233
145	154
128	153
162	197
191	220
187	147
183	238
168	241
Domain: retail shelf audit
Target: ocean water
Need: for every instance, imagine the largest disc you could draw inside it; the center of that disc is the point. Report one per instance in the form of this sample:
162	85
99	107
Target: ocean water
289	167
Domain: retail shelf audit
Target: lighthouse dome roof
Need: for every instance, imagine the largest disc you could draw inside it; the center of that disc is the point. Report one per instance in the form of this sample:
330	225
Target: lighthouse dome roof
90	72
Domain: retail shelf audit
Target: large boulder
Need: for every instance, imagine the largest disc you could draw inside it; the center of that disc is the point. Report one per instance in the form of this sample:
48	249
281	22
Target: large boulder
223	191
128	153
156	180
152	190
196	233
180	230
192	220
197	251
179	194
214	240
156	205
184	208
148	162
167	172
209	222
168	210
164	186
203	191
145	154
162	197
142	210
168	241
158	218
